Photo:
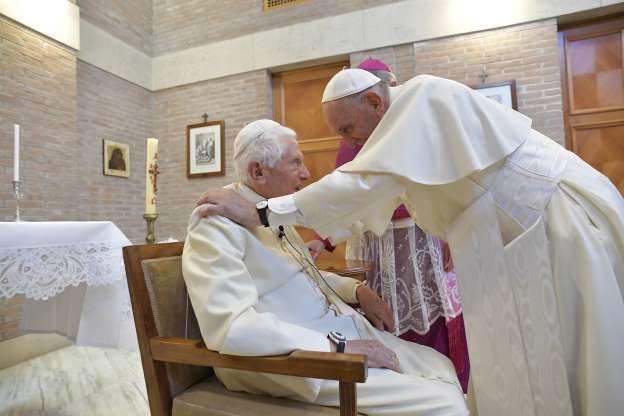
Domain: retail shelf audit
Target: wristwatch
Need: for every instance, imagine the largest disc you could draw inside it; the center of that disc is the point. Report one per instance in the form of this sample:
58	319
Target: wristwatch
262	207
338	339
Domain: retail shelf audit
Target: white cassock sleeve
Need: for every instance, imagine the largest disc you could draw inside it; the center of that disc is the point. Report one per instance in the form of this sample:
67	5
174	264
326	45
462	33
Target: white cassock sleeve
223	295
341	201
344	286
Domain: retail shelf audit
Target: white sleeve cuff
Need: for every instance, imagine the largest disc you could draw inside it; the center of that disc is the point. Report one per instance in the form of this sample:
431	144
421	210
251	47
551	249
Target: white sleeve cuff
283	211
283	204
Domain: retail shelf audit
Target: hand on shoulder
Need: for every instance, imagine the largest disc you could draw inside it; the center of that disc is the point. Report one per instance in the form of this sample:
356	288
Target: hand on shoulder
228	203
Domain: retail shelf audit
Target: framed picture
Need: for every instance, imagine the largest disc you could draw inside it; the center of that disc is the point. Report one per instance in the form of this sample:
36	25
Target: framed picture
205	149
503	92
116	158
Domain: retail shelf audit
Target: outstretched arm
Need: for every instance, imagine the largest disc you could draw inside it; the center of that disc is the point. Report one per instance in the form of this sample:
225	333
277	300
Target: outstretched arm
336	201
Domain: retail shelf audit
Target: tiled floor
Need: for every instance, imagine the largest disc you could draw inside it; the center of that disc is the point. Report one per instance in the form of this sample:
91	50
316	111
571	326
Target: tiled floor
76	381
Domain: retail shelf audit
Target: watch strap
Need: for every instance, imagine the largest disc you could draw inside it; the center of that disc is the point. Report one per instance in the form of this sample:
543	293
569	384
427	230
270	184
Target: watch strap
338	339
262	214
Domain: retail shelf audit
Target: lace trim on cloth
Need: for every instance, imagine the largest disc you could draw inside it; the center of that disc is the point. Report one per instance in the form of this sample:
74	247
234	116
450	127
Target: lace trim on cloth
408	272
42	272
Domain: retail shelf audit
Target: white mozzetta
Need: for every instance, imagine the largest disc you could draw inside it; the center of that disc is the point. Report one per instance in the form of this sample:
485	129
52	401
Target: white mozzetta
107	52
56	19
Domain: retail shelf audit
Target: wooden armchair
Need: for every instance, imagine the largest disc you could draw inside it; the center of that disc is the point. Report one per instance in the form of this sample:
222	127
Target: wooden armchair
177	365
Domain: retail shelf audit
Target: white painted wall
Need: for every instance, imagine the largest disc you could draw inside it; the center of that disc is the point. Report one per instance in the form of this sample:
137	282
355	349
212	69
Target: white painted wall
394	24
101	49
56	19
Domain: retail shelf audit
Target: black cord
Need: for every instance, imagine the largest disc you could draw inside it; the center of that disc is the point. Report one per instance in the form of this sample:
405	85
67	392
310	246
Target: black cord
281	235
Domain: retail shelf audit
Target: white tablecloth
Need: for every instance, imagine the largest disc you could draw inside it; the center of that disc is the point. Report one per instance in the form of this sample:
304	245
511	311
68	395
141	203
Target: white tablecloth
73	278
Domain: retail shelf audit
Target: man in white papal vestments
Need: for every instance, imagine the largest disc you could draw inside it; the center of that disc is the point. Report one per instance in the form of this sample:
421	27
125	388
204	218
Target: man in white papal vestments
256	292
536	234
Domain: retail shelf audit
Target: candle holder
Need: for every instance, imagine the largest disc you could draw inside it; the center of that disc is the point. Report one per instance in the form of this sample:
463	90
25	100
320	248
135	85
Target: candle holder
17	193
151	219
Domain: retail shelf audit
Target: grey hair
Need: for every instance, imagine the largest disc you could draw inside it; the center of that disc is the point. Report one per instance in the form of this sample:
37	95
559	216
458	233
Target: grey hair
381	88
386	77
266	150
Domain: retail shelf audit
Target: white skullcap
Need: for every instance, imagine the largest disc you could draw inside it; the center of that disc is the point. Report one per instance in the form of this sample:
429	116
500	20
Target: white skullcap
250	133
348	82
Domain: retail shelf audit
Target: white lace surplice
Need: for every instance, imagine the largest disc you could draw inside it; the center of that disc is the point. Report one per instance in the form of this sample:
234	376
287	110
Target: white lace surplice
409	274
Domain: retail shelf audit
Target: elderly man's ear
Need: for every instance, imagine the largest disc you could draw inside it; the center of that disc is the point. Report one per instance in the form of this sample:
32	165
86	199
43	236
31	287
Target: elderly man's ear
256	173
375	102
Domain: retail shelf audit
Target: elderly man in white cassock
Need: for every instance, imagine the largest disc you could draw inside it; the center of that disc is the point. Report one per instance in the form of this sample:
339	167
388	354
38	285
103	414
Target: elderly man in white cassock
537	235
256	292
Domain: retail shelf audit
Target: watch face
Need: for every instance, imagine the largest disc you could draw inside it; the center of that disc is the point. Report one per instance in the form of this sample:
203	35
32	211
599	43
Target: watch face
262	204
337	336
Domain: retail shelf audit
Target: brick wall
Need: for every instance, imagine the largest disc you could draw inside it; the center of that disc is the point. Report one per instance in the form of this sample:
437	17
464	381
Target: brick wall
112	108
527	53
128	20
181	25
65	109
237	100
399	58
37	91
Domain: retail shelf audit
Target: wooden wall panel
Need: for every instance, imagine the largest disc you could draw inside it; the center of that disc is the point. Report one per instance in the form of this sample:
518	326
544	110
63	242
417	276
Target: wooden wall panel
592	68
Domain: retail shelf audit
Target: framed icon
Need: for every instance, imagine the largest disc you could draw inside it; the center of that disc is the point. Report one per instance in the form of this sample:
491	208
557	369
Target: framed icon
116	158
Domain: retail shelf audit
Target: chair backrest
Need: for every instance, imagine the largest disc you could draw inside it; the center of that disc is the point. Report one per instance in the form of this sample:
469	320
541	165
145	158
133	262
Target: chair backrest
161	308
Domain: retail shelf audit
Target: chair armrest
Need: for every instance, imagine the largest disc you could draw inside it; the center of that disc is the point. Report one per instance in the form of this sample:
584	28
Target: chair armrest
355	269
351	368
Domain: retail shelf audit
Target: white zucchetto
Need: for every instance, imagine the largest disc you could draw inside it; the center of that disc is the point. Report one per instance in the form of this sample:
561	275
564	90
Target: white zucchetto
250	133
348	82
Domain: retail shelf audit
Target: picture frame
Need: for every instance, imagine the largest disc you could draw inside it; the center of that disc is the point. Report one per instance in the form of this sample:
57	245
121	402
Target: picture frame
115	158
502	92
205	149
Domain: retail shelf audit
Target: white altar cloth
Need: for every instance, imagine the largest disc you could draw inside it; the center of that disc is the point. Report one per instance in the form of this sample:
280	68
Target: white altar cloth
72	275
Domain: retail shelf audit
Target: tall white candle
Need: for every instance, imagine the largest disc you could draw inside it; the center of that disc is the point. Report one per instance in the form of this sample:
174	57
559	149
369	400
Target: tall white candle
151	173
16	146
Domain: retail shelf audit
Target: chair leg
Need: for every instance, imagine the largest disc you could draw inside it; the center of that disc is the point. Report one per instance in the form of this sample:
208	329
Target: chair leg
348	399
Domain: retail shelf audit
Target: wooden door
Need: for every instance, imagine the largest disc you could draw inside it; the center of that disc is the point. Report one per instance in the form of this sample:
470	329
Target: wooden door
592	64
297	104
